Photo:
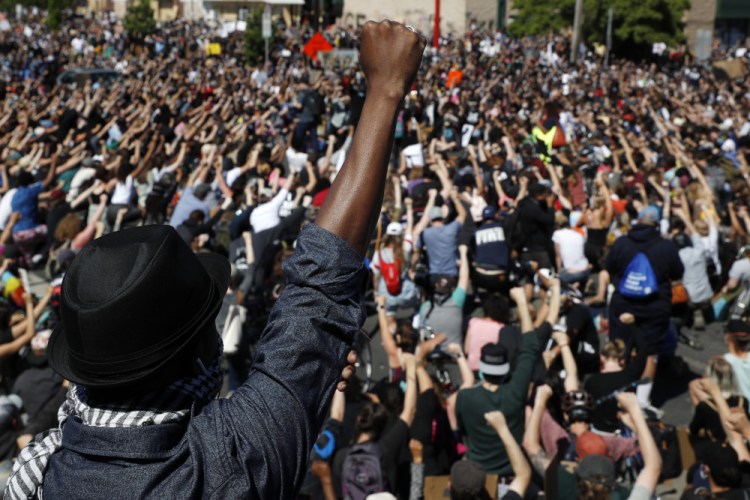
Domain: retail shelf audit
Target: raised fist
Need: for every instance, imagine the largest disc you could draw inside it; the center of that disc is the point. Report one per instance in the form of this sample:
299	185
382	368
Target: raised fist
390	55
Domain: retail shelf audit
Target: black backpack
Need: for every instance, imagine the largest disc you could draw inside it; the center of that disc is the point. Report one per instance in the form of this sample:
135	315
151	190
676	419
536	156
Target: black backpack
362	472
665	436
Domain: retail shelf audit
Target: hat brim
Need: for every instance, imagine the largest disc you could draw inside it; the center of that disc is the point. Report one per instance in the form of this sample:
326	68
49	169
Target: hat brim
58	349
496	370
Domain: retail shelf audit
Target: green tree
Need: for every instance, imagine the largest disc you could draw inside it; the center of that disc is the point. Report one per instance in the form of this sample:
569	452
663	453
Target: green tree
538	17
139	19
636	24
254	46
54	14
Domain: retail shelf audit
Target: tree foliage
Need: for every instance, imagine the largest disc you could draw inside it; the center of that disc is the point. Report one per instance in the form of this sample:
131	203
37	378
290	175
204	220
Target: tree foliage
139	19
254	45
635	23
54	14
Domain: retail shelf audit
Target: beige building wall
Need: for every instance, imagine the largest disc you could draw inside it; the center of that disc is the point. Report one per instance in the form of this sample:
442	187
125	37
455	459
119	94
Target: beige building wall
482	14
418	13
701	16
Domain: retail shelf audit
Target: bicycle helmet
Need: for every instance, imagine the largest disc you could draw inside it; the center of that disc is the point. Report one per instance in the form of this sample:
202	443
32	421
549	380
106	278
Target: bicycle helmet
578	405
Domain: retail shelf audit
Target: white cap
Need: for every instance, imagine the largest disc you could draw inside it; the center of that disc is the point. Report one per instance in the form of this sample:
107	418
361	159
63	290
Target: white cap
394	229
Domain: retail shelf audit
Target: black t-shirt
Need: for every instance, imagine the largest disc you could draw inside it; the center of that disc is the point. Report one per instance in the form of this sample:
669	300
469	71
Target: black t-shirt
36	386
602	384
706	420
537	222
54	217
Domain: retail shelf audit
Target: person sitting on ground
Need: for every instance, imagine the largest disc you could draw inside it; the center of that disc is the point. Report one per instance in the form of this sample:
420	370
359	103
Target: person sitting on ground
618	370
502	389
737	339
706	424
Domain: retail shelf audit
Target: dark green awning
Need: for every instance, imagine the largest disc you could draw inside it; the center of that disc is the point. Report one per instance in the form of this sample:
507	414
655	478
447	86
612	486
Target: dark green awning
732	9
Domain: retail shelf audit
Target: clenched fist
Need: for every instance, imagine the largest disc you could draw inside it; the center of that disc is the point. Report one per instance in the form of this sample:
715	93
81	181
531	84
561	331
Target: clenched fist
390	55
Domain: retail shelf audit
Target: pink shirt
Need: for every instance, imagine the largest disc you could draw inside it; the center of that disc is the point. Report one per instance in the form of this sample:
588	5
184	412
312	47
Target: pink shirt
481	331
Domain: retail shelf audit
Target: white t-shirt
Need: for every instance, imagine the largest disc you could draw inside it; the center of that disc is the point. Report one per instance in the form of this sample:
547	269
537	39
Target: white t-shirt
266	216
6	208
296	160
82	175
740	271
123	192
571	249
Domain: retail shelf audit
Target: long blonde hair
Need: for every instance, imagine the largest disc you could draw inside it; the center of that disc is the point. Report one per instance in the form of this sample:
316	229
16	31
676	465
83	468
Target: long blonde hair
721	371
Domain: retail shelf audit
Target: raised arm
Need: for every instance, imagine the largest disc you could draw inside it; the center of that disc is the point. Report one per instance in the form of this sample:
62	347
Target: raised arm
649	475
521	469
410	397
390	55
532	440
569	362
15	345
463	269
303	351
389	343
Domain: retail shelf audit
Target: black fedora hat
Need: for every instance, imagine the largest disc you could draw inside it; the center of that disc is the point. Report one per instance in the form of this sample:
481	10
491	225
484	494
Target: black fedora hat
131	302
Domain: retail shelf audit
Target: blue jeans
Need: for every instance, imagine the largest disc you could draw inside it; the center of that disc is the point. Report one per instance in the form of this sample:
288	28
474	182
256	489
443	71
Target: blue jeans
567	277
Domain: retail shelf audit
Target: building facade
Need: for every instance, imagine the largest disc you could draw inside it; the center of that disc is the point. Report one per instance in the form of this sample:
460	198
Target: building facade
723	21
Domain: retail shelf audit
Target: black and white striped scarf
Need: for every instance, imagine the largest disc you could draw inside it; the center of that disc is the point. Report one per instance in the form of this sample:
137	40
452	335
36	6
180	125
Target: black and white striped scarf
155	408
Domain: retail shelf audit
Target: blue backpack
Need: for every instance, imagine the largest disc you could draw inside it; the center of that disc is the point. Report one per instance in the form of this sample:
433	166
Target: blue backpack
639	279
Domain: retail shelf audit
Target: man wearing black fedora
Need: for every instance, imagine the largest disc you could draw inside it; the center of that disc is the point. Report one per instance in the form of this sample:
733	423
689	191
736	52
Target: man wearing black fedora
138	342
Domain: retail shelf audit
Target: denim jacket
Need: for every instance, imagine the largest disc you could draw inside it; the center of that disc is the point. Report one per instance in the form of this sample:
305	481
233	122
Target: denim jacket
254	444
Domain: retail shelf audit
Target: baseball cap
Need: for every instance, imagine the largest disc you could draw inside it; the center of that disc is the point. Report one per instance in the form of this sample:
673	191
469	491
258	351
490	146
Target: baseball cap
597	469
590	443
394	229
724	464
436	213
494	360
488	213
648	215
468	479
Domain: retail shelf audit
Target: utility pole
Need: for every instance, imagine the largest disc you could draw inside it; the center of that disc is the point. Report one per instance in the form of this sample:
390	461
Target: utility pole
577	22
436	30
610	15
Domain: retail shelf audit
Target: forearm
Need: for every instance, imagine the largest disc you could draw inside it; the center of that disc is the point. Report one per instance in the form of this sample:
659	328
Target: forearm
518	461
571	369
525	316
467	375
353	203
532	439
410	397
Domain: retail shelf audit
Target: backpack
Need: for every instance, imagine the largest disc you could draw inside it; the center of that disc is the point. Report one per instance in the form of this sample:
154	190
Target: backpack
362	473
391	272
317	103
639	279
669	448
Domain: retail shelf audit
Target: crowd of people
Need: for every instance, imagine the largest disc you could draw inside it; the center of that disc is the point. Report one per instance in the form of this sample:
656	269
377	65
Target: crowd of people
549	232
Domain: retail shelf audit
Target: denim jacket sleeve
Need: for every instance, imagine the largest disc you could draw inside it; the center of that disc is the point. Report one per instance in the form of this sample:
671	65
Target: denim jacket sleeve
275	416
